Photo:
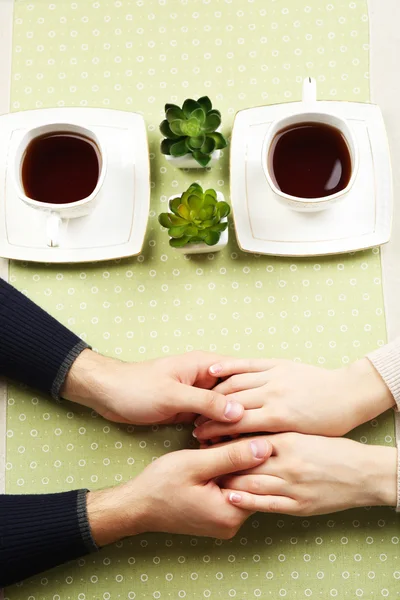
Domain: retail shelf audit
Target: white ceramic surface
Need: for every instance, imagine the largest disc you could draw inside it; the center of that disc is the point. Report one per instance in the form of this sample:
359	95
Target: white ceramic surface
188	162
57	212
265	226
203	248
117	224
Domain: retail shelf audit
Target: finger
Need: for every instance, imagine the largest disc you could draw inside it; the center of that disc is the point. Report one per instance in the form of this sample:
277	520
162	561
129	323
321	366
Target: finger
268	504
231	366
193	368
251	422
200	420
262	485
241	382
186	398
244	454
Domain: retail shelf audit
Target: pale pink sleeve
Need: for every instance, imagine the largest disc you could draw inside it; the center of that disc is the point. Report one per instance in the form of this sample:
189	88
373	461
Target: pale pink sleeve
386	361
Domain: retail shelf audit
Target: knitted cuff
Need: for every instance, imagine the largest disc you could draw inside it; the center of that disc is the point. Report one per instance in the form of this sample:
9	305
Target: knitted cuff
386	361
398	478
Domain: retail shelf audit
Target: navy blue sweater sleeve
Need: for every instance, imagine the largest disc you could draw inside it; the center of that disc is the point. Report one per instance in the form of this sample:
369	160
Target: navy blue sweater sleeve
38	532
34	348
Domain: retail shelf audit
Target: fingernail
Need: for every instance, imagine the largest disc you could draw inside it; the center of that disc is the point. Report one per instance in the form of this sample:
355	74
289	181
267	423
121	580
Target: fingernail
194	434
197	421
233	410
215	369
259	448
235	498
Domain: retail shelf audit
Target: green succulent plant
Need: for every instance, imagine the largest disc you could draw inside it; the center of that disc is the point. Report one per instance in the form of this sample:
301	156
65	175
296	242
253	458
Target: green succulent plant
192	129
195	217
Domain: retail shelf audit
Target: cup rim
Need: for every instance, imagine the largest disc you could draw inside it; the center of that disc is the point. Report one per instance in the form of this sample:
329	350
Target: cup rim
59	127
302	117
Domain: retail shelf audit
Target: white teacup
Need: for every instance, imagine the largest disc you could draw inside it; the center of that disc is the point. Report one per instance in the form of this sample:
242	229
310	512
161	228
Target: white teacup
309	113
57	212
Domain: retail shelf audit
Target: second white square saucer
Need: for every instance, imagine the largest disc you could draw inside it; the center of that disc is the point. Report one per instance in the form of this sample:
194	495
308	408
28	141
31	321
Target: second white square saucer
264	226
117	225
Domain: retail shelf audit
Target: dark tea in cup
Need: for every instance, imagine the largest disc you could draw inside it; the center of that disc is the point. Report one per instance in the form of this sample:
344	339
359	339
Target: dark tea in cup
60	168
310	160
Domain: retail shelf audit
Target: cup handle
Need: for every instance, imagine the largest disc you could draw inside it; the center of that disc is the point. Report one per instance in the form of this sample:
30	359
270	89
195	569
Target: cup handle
53	229
309	90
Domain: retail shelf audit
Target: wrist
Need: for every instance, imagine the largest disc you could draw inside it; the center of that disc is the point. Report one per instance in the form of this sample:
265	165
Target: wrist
86	379
366	391
381	476
114	514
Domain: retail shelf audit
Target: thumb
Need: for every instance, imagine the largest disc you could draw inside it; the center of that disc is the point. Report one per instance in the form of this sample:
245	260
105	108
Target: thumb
232	457
186	398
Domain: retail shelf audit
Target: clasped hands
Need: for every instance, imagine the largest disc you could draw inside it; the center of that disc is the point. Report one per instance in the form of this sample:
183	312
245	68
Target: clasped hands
299	466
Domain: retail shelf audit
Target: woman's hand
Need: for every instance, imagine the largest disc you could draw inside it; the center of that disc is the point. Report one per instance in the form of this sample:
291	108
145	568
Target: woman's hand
311	475
280	395
176	494
165	390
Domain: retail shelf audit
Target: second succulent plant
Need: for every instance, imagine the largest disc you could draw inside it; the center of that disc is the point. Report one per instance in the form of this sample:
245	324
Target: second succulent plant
195	217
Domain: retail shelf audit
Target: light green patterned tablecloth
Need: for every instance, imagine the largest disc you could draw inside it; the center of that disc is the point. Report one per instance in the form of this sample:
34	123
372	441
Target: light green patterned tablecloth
136	55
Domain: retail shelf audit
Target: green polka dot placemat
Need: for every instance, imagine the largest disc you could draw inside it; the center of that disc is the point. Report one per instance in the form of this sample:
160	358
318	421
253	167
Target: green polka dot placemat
137	55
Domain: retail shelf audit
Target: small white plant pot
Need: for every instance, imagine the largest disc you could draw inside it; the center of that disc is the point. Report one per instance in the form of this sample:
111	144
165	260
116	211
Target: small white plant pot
188	162
203	248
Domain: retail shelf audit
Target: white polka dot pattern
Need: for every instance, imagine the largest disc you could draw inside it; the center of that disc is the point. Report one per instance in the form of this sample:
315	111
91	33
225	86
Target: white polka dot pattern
137	55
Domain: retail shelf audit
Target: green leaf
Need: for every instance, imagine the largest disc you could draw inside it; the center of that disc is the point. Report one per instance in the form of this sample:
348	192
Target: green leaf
165	146
205	103
174	205
177	221
184	211
208	147
166	130
191	230
176	127
195	187
191	127
211	192
212	122
178	148
214	111
179	242
177	231
219	227
195	203
209	201
206	213
199	115
184	198
219	139
195	143
202	159
164	220
224	209
189	106
212	238
174	113
169	105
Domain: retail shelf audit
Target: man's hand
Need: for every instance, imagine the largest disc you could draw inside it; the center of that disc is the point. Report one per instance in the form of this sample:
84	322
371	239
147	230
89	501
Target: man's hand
165	390
176	494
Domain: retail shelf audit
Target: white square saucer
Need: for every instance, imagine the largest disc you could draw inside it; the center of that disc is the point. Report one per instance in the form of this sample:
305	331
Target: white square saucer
117	225
264	226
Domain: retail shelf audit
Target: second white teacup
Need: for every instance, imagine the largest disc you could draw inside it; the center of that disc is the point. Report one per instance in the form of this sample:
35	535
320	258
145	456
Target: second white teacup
307	116
44	175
